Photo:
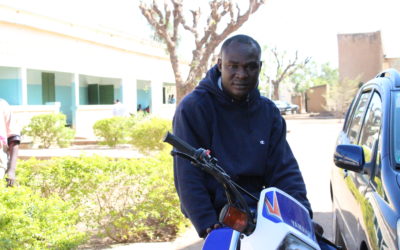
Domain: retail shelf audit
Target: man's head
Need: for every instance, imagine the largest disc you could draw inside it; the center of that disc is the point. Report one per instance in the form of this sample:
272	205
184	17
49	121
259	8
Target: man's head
240	65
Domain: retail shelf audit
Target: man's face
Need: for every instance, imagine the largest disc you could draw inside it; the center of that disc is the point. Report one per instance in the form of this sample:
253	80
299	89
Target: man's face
240	66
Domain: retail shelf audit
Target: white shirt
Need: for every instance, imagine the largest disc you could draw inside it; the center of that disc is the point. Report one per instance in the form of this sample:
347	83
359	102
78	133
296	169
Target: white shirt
7	129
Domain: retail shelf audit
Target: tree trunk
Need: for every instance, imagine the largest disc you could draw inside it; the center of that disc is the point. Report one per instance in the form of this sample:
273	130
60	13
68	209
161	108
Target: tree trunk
276	90
182	90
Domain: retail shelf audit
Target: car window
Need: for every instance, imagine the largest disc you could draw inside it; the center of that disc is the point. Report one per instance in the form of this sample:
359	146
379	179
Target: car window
357	118
376	177
371	127
396	127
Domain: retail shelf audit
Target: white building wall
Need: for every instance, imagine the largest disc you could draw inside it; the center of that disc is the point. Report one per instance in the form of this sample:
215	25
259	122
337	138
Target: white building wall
33	42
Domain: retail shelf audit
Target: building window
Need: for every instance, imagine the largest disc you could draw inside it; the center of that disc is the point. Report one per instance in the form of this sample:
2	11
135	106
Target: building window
169	93
100	94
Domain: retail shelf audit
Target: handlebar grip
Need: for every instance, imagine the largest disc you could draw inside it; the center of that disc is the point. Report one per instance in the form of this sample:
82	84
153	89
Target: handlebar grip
180	145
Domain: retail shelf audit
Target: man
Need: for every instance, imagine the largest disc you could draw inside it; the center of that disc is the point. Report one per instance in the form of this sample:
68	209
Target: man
244	131
119	109
9	141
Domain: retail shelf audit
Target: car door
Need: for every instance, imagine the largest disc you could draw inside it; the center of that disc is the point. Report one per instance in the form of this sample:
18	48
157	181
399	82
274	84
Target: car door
349	186
374	226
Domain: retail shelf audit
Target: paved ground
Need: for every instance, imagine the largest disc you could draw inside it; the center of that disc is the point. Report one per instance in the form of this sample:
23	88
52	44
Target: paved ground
312	140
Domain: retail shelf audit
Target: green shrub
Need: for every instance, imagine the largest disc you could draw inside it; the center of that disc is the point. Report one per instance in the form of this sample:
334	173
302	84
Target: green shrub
29	221
71	178
112	131
49	129
147	134
115	130
127	200
140	203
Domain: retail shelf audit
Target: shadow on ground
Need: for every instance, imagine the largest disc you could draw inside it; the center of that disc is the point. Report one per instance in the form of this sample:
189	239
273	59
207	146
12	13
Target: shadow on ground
195	246
325	220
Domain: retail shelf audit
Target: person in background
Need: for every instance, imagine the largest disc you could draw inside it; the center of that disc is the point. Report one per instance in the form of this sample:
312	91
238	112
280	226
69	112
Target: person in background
9	143
119	109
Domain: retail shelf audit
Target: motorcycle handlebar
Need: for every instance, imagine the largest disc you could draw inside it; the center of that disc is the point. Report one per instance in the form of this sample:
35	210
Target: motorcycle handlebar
180	145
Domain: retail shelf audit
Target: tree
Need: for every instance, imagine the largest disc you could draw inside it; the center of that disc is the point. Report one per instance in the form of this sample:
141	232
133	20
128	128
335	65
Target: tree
340	95
327	75
313	74
303	78
284	67
169	21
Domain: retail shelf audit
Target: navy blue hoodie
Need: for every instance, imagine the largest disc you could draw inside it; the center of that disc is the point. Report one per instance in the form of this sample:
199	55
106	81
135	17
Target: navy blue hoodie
249	140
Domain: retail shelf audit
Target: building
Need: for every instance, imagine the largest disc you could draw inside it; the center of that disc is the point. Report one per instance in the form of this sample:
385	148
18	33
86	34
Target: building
50	65
364	55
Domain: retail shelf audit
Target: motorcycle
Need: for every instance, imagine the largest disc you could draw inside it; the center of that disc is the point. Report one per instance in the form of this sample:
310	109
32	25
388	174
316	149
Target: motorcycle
280	221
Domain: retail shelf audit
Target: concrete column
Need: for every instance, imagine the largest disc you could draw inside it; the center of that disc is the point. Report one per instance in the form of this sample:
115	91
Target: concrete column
75	99
75	88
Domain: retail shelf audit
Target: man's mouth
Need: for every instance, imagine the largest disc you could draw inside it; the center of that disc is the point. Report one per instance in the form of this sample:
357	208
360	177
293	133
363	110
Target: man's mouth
240	86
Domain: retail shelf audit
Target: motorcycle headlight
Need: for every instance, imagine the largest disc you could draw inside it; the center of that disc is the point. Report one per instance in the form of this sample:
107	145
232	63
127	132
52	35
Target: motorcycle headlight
291	242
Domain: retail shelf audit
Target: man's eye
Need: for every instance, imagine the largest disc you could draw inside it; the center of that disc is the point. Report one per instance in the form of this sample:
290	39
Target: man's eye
252	66
233	66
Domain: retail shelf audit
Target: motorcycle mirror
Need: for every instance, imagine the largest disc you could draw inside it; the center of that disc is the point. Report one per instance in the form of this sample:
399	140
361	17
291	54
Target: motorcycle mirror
234	218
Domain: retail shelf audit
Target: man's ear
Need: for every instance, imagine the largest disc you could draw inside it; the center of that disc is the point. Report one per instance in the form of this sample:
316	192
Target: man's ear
219	63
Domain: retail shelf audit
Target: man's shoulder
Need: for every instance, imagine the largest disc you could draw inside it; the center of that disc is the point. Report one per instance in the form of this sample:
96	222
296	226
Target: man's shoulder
195	99
268	103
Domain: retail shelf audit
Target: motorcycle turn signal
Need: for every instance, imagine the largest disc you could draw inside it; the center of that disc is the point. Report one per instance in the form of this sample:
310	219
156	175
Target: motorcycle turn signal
236	219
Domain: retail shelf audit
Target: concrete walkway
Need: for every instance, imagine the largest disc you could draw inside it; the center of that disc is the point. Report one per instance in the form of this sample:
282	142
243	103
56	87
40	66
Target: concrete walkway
78	150
188	241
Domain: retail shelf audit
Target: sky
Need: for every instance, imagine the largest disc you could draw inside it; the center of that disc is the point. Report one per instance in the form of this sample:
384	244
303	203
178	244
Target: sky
311	26
307	26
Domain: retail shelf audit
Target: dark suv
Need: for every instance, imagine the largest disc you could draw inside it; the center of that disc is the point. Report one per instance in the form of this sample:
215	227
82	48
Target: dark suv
365	183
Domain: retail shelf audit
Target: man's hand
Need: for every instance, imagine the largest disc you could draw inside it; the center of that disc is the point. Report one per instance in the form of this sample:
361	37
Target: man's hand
10	178
318	228
208	230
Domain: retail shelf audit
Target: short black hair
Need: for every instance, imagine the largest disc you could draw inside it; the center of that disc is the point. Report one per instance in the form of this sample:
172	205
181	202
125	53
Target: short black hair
241	39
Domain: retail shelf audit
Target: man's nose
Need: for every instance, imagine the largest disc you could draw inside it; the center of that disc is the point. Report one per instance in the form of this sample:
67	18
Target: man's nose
241	72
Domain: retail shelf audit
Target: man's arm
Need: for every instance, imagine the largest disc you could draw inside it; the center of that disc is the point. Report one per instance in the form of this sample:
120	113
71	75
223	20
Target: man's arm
190	182
13	146
13	141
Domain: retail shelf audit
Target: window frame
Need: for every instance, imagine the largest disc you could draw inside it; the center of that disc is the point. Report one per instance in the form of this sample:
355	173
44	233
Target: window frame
393	128
349	122
374	93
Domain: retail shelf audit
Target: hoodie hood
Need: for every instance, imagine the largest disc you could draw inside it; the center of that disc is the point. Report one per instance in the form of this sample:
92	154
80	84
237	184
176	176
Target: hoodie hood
210	84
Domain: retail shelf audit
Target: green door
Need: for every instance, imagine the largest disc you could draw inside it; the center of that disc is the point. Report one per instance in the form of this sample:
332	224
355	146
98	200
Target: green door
93	94
48	87
106	94
100	94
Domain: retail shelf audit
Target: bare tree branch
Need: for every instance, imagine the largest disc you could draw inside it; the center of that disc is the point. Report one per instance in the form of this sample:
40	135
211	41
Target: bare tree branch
283	72
223	12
